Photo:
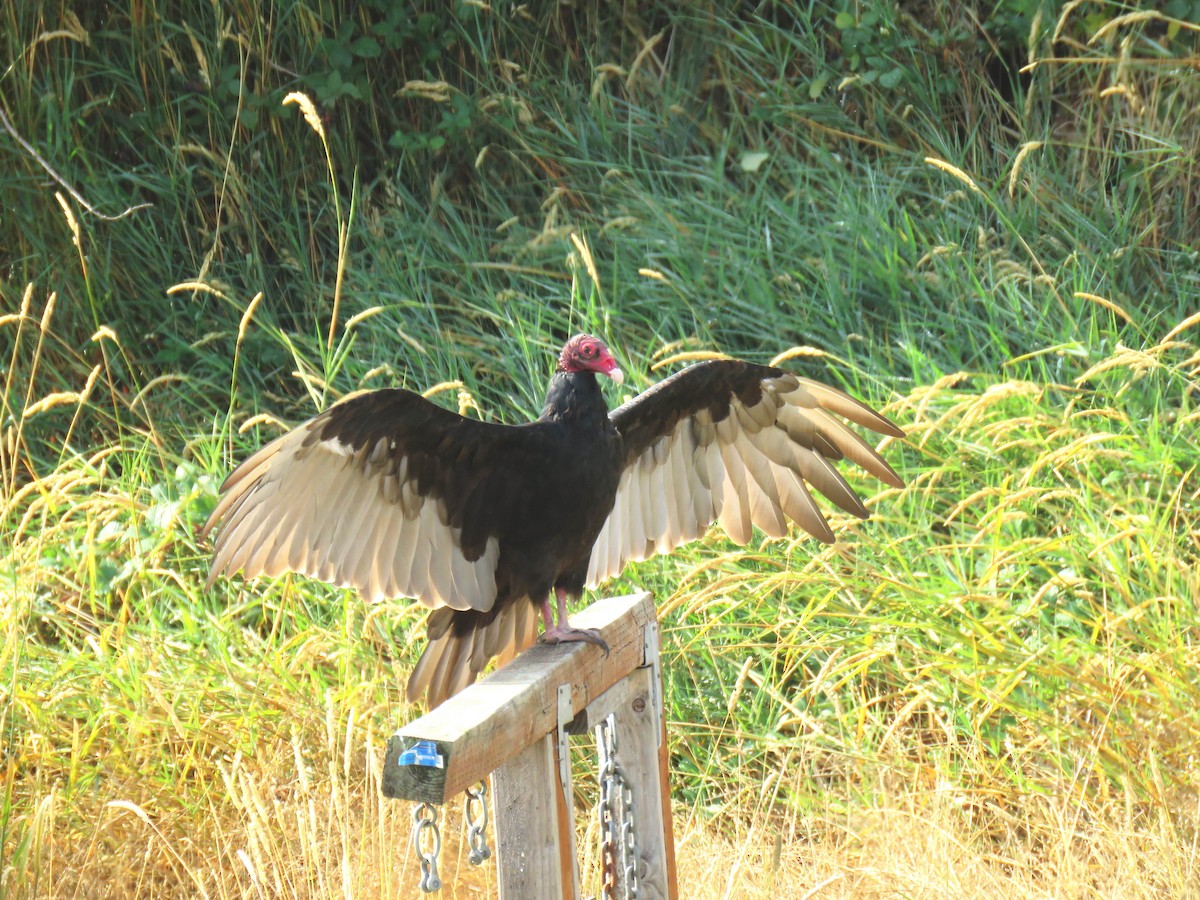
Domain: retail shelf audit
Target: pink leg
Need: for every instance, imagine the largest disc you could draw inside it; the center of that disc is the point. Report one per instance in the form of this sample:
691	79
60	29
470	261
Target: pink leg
547	615
563	632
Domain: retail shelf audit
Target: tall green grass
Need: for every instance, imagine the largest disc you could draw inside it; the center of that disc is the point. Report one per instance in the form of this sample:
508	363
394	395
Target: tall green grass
980	217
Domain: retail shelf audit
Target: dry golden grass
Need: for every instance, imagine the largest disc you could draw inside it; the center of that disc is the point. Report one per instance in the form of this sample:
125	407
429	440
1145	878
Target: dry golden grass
933	845
268	829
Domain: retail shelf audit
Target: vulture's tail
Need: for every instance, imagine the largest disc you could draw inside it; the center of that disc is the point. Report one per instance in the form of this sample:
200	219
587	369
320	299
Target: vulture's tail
462	642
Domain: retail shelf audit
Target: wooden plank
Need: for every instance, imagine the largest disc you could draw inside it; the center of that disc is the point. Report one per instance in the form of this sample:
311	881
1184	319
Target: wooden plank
478	730
641	750
566	790
564	807
534	861
668	817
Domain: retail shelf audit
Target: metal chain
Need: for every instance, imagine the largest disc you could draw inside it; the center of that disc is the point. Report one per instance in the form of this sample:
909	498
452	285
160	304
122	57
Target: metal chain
618	839
629	853
425	823
606	814
475	812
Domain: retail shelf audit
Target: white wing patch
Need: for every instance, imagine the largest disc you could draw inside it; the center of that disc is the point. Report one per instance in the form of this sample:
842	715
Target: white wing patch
753	468
343	516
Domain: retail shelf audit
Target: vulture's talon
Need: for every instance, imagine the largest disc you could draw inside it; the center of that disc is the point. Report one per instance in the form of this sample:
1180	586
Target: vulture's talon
567	635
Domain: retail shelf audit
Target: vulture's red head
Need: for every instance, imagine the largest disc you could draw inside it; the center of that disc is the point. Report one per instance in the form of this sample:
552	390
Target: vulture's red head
584	353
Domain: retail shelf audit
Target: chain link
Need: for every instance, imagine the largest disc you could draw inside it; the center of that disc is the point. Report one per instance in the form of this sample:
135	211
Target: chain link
425	824
475	812
618	840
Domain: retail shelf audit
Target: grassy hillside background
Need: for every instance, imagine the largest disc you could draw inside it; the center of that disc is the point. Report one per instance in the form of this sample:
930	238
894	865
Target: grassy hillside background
981	216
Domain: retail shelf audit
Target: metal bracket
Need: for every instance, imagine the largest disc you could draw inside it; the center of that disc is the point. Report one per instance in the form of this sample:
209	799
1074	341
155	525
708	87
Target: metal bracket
652	660
565	715
650	646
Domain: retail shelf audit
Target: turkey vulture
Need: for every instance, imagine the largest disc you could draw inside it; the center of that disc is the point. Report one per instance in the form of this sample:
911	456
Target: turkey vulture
393	495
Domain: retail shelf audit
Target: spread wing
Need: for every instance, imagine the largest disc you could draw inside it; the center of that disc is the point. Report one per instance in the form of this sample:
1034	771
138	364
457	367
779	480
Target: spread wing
387	493
737	443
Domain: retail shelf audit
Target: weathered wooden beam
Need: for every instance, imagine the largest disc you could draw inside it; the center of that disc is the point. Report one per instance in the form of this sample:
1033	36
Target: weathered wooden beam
533	850
636	704
478	730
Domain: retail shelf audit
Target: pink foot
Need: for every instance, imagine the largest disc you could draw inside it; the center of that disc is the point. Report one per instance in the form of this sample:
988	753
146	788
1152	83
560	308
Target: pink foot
563	634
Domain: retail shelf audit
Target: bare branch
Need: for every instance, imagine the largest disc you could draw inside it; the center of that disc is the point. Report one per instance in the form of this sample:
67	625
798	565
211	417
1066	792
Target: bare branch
4	120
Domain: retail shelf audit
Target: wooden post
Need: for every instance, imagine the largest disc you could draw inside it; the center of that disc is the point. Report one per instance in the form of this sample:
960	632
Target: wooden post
514	722
531	819
637	708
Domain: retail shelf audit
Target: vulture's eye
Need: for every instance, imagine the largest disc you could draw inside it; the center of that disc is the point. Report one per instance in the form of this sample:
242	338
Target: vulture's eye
588	350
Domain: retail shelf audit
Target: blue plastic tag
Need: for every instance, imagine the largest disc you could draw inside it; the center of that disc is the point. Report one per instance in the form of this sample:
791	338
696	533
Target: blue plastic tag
423	753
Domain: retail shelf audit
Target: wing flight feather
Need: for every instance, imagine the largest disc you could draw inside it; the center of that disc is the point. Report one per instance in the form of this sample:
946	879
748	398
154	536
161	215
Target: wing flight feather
738	444
348	498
